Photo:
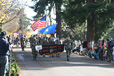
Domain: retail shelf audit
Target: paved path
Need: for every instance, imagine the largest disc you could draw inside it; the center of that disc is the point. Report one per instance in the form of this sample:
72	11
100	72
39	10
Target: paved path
77	66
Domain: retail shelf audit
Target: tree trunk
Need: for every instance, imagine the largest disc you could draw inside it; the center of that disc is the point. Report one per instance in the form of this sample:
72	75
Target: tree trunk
50	19
90	30
0	27
58	20
90	25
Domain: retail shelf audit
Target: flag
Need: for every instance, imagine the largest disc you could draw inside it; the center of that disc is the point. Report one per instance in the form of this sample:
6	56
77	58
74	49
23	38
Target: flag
49	29
21	35
42	31
17	33
39	23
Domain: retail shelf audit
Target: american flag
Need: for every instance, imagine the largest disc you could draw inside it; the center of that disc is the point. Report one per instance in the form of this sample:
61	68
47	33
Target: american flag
39	23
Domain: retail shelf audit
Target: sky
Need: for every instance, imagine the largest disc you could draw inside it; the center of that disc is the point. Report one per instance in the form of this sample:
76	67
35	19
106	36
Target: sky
28	11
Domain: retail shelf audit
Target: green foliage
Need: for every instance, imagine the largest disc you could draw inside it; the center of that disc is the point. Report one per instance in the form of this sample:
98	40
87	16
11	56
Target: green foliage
13	70
109	34
78	11
43	5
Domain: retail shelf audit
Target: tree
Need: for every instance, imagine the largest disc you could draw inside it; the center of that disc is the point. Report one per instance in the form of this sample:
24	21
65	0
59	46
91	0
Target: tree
42	5
97	14
15	13
9	11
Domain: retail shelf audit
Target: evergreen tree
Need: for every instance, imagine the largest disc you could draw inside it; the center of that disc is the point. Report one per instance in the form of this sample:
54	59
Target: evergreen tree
97	14
41	6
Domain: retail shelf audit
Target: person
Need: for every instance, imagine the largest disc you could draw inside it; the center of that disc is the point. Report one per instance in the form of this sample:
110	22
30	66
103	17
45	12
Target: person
84	47
78	47
9	39
4	52
102	46
68	46
113	55
22	39
104	55
17	41
26	40
51	42
96	49
109	50
58	42
91	51
38	39
30	40
33	44
45	41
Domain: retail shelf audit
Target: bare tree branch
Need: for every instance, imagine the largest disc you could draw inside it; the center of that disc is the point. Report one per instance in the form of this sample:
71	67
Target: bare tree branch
12	18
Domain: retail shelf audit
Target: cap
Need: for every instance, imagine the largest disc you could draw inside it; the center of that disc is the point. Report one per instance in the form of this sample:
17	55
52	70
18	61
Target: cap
3	33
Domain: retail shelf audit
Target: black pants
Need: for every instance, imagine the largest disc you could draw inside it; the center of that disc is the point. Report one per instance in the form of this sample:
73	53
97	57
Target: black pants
109	55
22	46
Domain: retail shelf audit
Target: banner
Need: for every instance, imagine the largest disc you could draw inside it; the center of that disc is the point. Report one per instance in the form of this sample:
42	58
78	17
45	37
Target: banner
51	49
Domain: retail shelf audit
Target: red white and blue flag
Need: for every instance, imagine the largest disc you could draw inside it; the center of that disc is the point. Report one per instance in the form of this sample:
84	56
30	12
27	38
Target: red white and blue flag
39	23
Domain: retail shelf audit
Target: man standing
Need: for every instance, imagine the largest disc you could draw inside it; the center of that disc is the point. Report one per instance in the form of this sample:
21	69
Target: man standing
58	42
51	42
17	41
4	52
30	40
26	40
68	46
84	47
22	42
33	44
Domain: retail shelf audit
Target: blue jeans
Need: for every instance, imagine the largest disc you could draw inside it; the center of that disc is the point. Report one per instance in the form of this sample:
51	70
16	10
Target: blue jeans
113	58
104	58
97	55
3	65
91	54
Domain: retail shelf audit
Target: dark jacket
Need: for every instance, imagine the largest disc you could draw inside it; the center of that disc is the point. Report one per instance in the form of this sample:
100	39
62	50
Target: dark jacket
4	46
85	44
58	42
68	44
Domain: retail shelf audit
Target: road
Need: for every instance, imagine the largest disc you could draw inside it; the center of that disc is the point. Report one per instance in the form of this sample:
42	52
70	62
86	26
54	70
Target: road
46	66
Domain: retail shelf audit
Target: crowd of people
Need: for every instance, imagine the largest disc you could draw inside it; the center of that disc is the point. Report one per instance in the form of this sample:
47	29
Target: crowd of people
102	50
37	40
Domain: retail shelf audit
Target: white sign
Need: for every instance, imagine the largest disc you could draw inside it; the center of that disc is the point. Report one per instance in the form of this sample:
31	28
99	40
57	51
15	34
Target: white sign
38	47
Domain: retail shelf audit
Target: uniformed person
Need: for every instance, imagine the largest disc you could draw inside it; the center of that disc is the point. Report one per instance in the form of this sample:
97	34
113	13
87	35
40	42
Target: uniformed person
9	39
22	39
58	42
30	40
41	40
33	44
26	40
51	42
17	41
45	41
68	46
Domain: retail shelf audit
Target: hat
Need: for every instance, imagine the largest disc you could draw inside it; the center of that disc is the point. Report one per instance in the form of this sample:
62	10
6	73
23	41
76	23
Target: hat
3	33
